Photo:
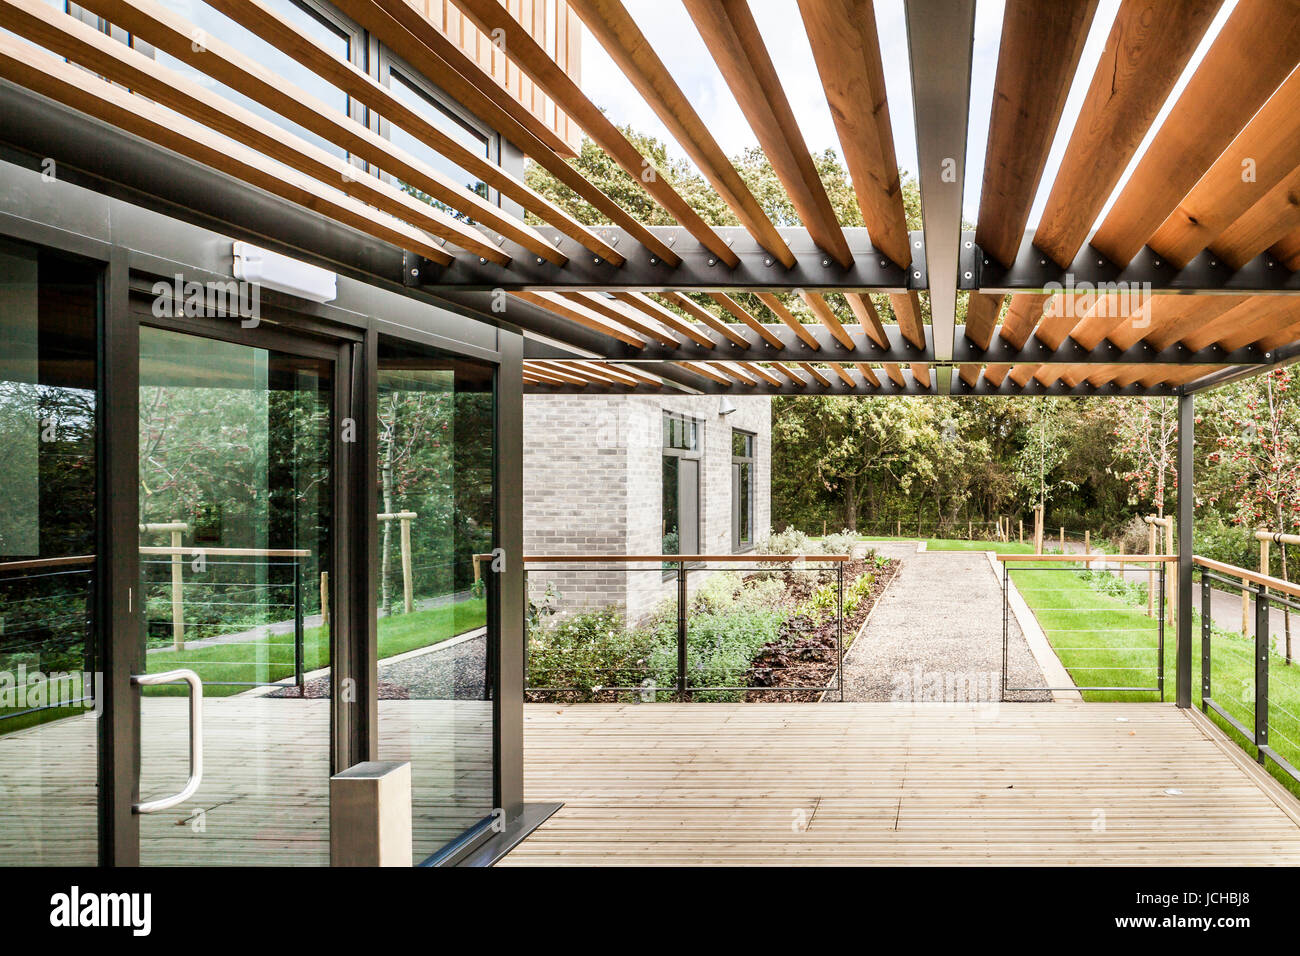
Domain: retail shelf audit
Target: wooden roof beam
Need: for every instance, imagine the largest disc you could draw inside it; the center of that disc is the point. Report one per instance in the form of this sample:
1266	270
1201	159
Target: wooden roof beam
790	373
816	373
622	316
864	310
406	31
827	317
846	49
1268	147
256	17
1253	53
982	311
672	320
746	318
1146	51
1039	54
907	312
494	19
581	315
868	374
610	23
733	37
63	82
72	38
786	316
705	317
843	373
758	370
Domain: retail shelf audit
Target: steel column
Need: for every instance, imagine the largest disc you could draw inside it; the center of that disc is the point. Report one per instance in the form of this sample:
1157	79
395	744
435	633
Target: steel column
940	40
1186	515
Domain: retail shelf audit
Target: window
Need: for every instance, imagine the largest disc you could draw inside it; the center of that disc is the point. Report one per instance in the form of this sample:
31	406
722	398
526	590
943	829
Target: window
680	524
308	20
742	490
416	95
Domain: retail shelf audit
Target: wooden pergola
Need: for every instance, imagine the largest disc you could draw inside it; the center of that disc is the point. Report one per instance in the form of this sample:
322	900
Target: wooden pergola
1190	279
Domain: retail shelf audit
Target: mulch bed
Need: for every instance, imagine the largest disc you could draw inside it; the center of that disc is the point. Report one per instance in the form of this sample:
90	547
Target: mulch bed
806	654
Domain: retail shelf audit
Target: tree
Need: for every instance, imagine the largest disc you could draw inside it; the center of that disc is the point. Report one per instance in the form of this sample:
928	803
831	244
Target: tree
1258	430
1146	432
844	445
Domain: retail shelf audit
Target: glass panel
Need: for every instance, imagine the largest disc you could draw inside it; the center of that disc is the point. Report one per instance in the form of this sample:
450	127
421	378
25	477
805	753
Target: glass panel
436	533
742	444
409	94
235	511
221	28
681	432
671	529
746	502
48	628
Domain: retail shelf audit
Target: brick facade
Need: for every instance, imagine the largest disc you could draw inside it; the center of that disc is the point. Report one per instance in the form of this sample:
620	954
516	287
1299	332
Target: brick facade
593	477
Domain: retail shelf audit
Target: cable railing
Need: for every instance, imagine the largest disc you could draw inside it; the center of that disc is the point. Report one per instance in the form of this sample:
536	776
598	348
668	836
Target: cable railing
1108	635
47	639
1261	683
684	627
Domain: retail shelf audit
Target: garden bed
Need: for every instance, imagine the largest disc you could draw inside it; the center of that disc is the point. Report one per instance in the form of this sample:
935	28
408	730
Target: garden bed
806	654
765	628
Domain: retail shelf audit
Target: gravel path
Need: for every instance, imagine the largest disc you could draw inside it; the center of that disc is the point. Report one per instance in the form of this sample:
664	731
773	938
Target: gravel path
937	635
450	673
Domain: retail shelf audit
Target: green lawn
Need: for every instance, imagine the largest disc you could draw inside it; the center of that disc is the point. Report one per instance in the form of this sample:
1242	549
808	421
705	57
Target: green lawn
1099	629
961	544
270	658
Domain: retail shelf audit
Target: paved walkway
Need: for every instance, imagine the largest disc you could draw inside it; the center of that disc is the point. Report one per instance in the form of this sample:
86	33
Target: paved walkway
937	635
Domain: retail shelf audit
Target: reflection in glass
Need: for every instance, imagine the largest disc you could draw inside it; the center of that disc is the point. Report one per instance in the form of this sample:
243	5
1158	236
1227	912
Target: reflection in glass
434	581
235	512
48	624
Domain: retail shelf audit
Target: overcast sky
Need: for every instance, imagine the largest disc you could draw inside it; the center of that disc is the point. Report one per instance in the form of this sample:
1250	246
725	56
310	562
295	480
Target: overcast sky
674	37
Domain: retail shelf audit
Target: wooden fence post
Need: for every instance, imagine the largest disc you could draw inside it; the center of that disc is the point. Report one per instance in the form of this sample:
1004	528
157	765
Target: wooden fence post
1087	547
178	593
1062	539
325	598
408	583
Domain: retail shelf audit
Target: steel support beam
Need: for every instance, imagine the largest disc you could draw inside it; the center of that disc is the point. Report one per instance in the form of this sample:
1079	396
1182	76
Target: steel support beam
1034	271
1033	387
1069	352
738	390
1186	515
699	270
940	41
1278	358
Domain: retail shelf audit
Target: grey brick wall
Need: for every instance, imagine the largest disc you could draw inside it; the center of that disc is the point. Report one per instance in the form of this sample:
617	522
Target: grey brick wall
593	484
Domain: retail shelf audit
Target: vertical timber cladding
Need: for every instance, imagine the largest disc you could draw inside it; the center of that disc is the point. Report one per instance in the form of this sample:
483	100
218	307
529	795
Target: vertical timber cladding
551	23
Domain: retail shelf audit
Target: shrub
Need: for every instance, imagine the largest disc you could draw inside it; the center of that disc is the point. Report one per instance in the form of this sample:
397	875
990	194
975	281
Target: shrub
588	651
719	648
841	542
789	541
1229	543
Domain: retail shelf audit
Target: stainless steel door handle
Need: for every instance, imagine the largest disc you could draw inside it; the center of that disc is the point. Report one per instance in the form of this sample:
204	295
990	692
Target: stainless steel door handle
196	735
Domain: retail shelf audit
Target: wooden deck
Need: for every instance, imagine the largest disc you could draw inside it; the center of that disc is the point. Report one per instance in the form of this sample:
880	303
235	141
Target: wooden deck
747	784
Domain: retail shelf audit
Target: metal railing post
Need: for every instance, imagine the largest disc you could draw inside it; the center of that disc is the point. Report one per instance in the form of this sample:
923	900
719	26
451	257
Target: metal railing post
839	574
681	629
1160	640
528	609
297	626
1206	619
1006	611
1262	638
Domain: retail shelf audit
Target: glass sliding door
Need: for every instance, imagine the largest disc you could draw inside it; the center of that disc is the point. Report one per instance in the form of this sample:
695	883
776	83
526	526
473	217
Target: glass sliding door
49	625
434	582
235	553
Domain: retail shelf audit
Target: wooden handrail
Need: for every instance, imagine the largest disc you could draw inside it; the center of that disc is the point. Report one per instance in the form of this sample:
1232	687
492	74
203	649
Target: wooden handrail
45	562
231	552
1094	558
1254	577
675	558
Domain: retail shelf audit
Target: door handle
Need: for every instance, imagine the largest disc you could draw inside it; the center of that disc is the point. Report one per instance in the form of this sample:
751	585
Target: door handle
196	735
